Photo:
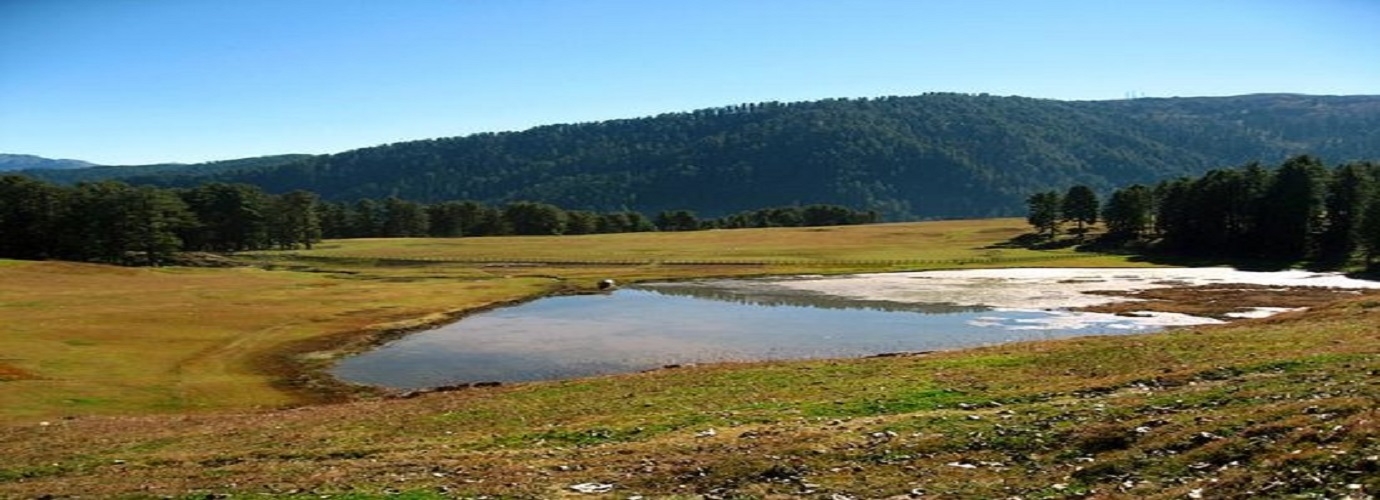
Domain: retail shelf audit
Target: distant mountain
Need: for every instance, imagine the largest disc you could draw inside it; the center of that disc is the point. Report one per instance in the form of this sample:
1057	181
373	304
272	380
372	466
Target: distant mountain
162	173
928	156
10	162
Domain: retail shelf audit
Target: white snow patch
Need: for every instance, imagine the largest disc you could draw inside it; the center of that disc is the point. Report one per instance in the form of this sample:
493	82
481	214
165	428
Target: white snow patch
1047	288
1262	312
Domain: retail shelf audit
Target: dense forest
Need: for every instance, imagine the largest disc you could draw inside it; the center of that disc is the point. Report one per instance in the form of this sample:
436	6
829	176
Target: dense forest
118	223
1301	210
928	156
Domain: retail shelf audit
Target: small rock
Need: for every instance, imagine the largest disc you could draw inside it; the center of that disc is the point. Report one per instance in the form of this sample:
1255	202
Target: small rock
707	433
592	488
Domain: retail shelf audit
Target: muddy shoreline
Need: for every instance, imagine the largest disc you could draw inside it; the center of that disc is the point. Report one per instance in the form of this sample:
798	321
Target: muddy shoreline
302	369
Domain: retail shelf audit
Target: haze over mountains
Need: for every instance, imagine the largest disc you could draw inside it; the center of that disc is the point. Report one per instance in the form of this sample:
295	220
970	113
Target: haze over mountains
928	156
10	162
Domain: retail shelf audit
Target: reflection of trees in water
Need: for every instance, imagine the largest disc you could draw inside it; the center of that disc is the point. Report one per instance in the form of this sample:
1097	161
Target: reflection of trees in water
768	295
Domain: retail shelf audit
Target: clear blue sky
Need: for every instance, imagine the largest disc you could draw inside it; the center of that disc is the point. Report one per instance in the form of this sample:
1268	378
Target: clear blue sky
145	81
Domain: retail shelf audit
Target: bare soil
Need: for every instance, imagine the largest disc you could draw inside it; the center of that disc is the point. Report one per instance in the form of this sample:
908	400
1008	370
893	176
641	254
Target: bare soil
1220	301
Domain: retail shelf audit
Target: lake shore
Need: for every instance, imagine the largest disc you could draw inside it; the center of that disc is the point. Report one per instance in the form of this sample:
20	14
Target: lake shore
1210	292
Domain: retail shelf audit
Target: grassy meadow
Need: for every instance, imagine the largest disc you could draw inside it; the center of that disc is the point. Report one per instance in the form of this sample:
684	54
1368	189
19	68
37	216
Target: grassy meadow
186	382
85	339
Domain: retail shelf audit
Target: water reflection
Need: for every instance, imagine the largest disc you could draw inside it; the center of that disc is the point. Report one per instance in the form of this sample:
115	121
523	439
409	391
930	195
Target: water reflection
684	323
768	293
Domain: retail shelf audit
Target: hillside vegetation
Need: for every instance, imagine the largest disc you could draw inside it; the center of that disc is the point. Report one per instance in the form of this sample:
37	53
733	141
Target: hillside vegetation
929	156
156	397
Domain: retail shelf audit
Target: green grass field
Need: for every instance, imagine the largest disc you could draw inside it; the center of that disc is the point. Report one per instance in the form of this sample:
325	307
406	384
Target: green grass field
187	382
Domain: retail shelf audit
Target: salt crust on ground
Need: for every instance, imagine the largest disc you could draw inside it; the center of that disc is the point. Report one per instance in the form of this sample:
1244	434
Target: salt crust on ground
1049	289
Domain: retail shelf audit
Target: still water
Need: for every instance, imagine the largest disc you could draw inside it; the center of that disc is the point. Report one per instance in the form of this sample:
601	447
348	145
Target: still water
650	326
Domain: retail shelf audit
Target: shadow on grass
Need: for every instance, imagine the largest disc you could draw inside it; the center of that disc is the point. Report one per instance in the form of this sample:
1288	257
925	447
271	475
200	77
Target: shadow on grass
1034	241
1148	253
1241	264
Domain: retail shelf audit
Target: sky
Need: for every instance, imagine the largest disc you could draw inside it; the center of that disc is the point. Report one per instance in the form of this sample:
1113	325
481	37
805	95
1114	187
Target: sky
122	82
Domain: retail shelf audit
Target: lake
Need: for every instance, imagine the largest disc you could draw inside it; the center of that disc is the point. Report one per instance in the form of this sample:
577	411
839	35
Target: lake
654	325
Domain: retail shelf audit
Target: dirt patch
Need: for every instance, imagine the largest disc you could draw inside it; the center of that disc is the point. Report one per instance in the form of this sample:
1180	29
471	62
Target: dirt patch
203	259
1221	301
9	373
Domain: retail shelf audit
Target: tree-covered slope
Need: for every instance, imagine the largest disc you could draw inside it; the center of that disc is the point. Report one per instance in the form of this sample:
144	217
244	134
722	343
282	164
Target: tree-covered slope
935	155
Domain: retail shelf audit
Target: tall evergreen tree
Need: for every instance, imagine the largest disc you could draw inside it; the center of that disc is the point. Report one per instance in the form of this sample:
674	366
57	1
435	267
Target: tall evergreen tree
529	218
366	219
1080	207
581	222
232	217
30	212
1292	209
296	221
403	219
446	219
677	220
1174	212
1222	210
1368	234
1350	189
1044	212
1129	212
116	223
335	220
155	217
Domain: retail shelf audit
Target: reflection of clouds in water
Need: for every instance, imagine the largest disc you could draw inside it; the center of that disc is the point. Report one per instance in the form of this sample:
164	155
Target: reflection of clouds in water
770	292
1072	320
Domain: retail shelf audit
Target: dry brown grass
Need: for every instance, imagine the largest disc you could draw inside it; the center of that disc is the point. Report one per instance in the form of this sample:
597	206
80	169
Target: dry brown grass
92	339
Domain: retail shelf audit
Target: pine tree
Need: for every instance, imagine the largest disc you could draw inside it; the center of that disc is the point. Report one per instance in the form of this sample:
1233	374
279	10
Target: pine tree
1044	213
1079	206
1129	212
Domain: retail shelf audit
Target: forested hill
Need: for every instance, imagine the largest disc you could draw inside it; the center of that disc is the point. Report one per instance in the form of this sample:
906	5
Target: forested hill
935	155
161	173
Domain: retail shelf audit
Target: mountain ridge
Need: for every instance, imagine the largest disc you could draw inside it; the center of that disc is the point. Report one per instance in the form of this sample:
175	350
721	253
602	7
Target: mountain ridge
937	155
14	161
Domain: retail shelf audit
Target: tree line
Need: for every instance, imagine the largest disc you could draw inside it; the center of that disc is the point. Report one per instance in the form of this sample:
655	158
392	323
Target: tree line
1301	210
118	223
